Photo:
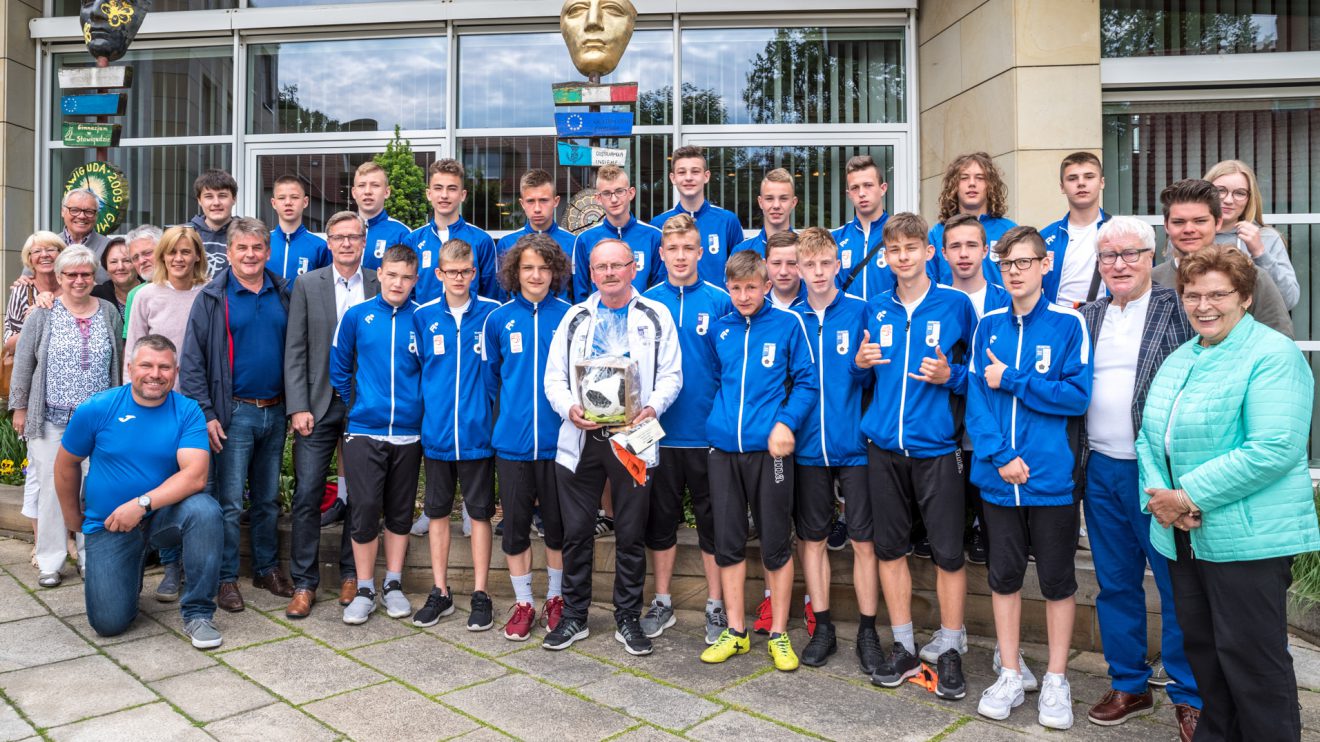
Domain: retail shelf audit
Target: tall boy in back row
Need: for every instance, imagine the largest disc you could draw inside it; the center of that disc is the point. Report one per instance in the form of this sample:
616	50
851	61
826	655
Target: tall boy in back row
721	231
973	185
371	188
445	191
1070	242
537	197
293	249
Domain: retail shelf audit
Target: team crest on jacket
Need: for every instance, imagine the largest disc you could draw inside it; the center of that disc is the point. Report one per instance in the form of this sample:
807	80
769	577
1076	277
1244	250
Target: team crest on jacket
639	258
841	344
438	345
845	259
477	338
768	355
703	323
880	261
932	333
714	244
302	266
380	249
412	342
1042	358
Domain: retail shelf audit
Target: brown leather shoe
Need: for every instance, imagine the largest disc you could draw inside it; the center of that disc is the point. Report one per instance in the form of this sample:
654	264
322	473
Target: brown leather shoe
301	605
229	598
1117	707
1187	719
347	591
276	582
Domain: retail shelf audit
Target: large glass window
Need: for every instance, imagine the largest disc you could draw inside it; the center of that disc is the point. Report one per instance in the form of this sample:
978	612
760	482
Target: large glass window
793	76
160	180
71	7
329	177
175	92
504	79
1141	28
356	85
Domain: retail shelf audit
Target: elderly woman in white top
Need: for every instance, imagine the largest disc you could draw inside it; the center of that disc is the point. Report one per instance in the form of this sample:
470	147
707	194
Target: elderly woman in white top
65	354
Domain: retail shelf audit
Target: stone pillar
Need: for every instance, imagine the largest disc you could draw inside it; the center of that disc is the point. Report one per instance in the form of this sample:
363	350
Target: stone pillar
1019	79
17	131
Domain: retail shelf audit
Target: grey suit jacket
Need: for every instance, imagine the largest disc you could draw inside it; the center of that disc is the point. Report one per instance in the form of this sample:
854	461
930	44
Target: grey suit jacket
312	322
1267	306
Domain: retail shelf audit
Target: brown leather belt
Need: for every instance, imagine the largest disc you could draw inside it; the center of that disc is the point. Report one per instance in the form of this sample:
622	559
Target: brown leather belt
260	403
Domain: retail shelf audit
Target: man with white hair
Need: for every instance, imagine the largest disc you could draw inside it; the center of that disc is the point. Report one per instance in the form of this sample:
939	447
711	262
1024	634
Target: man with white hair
1132	331
141	243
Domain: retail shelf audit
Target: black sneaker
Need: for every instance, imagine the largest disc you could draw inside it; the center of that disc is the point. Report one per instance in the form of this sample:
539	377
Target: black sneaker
976	551
438	605
568	631
821	646
869	653
922	548
838	537
499	528
482	616
629	634
604	525
952	685
900	666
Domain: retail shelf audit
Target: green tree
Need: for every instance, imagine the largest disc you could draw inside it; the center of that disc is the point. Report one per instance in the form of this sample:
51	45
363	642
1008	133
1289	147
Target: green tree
407	201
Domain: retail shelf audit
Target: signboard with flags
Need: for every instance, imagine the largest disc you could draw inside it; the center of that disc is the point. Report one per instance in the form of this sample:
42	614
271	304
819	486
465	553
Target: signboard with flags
594	124
580	93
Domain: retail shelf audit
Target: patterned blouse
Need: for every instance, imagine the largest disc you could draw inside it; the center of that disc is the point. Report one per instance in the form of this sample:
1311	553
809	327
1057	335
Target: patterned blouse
77	361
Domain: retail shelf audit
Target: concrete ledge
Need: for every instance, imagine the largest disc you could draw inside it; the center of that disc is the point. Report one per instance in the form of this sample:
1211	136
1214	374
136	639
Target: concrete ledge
689	584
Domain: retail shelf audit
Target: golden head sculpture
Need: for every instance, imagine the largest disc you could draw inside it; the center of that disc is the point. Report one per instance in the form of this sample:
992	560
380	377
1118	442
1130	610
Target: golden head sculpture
597	32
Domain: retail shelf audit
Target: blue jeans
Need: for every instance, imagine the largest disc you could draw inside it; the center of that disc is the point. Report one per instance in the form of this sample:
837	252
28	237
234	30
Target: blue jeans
115	560
1120	545
253	451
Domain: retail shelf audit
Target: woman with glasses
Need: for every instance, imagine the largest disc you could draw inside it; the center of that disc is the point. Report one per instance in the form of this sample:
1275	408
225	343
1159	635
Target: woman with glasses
65	354
1240	198
1222	458
117	264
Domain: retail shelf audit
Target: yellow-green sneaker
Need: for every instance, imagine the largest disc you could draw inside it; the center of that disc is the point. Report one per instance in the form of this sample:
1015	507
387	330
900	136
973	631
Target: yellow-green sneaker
727	646
781	651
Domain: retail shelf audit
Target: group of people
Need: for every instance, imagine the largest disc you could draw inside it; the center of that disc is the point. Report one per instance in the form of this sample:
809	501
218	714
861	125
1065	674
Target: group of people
955	390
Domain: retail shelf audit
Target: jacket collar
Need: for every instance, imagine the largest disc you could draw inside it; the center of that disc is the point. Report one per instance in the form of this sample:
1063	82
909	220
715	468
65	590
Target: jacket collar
220	283
456	226
877	226
290	237
380	218
700	212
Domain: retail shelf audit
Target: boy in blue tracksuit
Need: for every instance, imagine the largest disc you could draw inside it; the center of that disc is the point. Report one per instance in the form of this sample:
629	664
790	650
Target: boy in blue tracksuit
695	306
831	451
863	270
777	201
293	249
446	193
517	342
537	197
767	386
614	193
781	262
1071	241
456	429
1030	371
915	347
374	365
973	185
721	231
371	187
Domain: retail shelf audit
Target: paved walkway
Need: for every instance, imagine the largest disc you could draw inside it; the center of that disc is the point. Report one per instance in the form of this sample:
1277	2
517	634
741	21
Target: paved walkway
318	679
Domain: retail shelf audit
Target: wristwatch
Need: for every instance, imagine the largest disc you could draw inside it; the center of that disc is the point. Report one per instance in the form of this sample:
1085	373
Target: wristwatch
145	502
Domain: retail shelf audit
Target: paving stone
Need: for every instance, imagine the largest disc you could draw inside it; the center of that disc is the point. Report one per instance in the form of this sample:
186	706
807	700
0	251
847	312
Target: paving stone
12	725
853	711
27	575
645	734
483	734
64	601
1306	665
676	659
238	629
980	731
142	627
276	721
390	713
38	641
258	598
557	714
650	701
735	726
568	669
160	656
213	693
46	694
156	721
16	551
327	624
491	643
15	603
300	670
428	664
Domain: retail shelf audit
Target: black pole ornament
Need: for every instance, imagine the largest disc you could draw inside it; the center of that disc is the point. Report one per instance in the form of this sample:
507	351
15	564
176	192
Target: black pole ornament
109	26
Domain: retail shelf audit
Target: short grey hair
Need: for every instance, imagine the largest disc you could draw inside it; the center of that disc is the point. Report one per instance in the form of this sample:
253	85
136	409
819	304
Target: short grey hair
247	226
74	256
344	216
153	342
1123	228
80	192
144	232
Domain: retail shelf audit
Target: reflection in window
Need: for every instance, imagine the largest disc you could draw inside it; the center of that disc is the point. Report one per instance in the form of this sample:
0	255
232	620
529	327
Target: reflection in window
330	181
736	173
793	76
504	79
71	7
357	85
1140	28
494	165
160	180
175	92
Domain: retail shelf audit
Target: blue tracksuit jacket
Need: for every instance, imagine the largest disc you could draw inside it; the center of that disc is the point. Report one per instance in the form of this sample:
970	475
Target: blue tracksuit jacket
995	227
374	363
565	239
1056	246
695	310
426	241
518	335
383	232
640	236
458	415
292	255
832	434
721	233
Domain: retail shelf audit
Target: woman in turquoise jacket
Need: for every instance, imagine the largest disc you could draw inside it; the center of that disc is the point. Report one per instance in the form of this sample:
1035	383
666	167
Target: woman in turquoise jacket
1222	453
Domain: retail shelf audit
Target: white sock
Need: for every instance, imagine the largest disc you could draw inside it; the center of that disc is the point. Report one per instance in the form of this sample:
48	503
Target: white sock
767	592
342	489
806	600
522	588
664	599
1058	676
903	635
556	587
946	638
713	603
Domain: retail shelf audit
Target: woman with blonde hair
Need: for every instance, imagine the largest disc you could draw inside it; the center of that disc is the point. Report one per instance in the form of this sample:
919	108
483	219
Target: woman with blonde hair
1244	225
162	306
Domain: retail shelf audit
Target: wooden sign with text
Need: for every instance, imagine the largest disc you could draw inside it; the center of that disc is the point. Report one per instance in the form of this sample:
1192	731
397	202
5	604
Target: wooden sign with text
80	78
76	134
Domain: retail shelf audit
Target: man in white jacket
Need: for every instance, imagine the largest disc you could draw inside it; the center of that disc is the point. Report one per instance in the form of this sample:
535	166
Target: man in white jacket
613	321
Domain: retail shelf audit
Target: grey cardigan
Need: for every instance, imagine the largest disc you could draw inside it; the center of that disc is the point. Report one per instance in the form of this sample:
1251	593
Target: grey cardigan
27	385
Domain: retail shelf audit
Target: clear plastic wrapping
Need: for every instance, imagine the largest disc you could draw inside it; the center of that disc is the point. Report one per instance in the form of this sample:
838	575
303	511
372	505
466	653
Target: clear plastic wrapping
609	389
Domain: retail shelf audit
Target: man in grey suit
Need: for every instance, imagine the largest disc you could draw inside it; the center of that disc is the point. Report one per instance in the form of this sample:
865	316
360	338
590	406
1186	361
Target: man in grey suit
317	413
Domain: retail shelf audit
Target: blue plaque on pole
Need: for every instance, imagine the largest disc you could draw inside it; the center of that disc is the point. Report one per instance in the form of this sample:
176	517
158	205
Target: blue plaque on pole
594	124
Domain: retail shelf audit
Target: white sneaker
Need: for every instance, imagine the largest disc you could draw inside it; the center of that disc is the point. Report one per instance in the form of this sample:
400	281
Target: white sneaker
1055	702
999	700
421	526
931	652
1029	682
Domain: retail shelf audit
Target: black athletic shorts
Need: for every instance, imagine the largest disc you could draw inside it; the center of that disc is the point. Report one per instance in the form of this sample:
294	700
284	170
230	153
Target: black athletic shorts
679	468
1050	532
763	483
524	485
813	513
382	479
934	485
476	476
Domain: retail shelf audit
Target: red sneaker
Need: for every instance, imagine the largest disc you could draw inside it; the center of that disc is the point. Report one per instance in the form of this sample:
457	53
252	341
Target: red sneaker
520	623
764	618
551	612
810	617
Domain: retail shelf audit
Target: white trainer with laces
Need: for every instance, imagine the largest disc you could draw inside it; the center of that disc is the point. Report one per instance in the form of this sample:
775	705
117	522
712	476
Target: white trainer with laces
1029	682
1055	703
999	700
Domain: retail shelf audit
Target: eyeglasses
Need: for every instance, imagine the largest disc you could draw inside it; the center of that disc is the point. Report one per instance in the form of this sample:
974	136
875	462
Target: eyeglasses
1238	194
615	194
1019	263
1214	297
460	274
610	267
1109	257
344	239
79	276
86	213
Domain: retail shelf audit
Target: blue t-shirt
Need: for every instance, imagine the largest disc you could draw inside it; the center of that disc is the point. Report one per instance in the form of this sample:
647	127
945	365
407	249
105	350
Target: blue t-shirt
611	324
133	449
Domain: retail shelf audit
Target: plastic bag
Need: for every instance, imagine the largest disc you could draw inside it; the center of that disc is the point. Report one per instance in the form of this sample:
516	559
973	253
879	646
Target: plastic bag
608	389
